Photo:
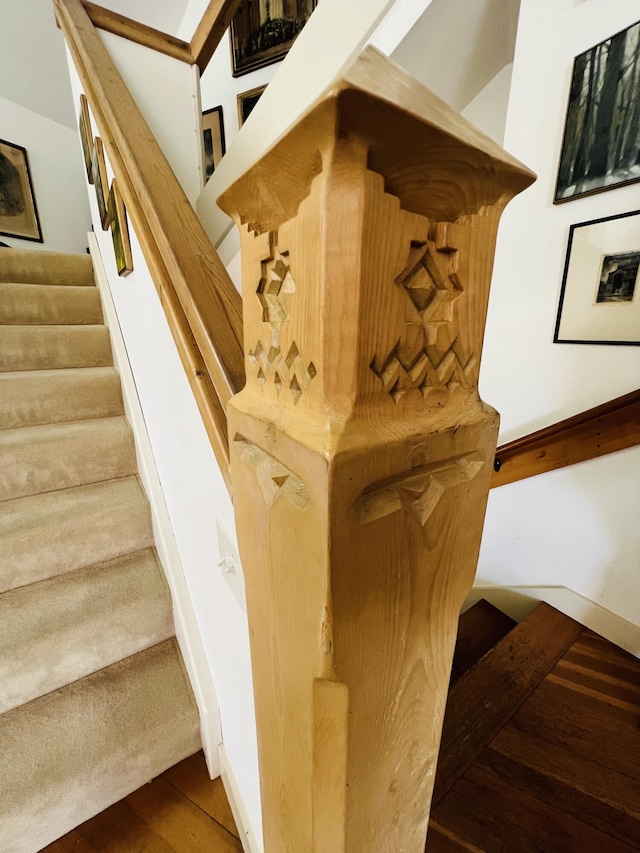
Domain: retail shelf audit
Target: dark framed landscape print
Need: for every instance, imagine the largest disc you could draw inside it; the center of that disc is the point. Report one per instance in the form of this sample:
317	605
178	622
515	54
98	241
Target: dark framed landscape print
18	211
601	144
246	103
119	230
100	181
213	140
600	296
262	31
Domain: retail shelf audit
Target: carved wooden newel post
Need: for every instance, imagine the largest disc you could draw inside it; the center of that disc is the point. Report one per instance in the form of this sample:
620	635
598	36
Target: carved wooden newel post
361	452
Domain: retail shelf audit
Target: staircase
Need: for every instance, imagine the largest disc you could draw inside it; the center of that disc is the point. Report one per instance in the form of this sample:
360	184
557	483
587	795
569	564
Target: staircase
94	699
541	740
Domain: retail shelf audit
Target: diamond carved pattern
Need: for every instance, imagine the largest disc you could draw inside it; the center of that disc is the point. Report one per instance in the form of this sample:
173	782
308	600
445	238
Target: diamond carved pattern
276	291
437	360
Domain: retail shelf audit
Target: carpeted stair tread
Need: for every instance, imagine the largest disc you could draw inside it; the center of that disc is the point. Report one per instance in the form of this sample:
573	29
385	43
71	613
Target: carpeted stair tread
57	631
44	304
44	347
32	267
42	536
70	754
58	456
32	397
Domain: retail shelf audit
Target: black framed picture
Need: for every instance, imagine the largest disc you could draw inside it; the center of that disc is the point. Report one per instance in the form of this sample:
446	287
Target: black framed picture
213	140
600	295
262	31
601	144
18	211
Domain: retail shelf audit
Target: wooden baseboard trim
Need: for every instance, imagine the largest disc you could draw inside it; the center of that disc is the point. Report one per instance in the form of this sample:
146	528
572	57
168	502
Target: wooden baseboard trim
519	601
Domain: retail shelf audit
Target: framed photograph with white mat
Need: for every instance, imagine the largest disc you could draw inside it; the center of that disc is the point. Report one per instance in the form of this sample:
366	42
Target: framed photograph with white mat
600	295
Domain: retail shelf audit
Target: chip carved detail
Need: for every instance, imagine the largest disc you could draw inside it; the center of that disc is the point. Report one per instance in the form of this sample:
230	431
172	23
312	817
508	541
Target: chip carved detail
275	480
276	291
418	491
437	360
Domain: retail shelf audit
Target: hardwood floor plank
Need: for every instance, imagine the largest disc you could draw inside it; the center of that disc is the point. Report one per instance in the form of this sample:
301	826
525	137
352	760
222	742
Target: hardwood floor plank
609	802
178	822
191	778
500	817
482	701
590	729
442	840
479	629
119	830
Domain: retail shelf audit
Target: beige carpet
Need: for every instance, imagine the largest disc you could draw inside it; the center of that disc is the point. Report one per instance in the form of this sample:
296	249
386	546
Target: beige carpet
94	699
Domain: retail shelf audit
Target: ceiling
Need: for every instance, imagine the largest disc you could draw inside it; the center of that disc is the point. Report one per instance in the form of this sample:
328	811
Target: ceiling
33	65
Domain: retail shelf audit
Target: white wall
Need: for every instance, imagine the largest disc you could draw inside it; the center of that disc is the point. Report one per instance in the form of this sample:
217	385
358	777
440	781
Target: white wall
57	174
194	491
577	527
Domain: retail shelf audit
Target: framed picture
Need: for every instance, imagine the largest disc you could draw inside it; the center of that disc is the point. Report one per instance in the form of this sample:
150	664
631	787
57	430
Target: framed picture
600	296
213	140
601	144
86	136
18	211
100	181
246	102
262	31
119	230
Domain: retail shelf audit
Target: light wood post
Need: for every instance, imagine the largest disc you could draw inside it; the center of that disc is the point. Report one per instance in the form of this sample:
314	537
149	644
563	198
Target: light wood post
361	453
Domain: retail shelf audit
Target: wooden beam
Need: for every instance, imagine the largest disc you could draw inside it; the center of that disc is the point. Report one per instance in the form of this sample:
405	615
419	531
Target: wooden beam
215	22
210	302
604	429
120	25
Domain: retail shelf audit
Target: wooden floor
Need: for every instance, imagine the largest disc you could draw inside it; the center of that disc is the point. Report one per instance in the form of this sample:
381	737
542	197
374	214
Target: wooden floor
182	811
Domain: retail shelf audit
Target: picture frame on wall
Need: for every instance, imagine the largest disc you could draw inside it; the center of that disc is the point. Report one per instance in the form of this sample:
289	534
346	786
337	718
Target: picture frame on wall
246	103
100	182
213	140
86	136
600	295
262	31
119	231
601	143
18	210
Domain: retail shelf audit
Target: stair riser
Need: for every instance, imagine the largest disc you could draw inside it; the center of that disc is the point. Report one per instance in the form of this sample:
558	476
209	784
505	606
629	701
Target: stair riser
98	616
48	535
34	460
58	396
52	347
53	268
37	304
111	732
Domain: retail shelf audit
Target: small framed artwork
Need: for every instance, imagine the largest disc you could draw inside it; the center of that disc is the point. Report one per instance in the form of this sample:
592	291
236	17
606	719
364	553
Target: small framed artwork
601	144
18	211
246	103
86	136
119	230
100	181
213	140
600	296
262	31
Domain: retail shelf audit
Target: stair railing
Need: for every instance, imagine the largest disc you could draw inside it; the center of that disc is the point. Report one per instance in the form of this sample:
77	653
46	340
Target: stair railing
360	451
612	426
201	302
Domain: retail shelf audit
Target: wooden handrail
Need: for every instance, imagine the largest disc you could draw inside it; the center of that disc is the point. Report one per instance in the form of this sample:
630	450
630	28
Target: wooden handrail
211	29
114	22
604	429
174	242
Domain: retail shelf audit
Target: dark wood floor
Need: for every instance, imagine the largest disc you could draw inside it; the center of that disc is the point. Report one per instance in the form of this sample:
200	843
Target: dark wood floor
182	811
562	774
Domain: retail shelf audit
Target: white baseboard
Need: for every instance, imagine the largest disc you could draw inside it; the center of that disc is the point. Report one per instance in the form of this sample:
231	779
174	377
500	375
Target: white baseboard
519	601
250	842
187	631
